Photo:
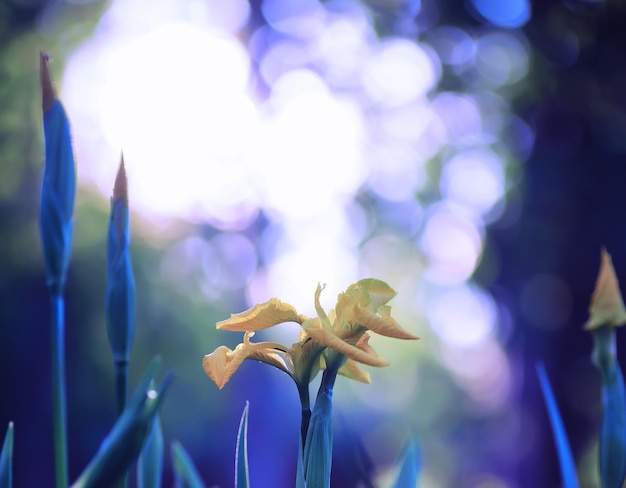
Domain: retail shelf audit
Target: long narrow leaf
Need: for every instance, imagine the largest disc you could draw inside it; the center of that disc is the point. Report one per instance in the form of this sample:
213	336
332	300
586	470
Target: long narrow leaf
566	460
6	459
318	449
123	444
410	467
187	475
300	482
150	464
241	461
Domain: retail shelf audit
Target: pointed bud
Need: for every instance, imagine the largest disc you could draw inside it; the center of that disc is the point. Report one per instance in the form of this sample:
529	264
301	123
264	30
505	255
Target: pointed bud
48	93
120	189
607	306
59	184
120	299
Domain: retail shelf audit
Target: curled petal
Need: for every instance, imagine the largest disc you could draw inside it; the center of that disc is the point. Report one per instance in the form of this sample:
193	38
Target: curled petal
385	325
607	306
378	292
221	364
328	339
262	316
318	308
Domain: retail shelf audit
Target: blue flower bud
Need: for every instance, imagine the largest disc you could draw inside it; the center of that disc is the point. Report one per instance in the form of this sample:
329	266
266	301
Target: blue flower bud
59	184
120	298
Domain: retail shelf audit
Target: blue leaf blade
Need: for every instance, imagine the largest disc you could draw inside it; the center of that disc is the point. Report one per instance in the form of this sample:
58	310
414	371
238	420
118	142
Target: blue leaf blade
242	478
150	463
409	467
186	474
126	439
6	459
566	460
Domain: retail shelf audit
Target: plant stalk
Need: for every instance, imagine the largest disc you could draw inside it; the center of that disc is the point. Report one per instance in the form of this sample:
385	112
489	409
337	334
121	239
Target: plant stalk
121	386
305	402
59	410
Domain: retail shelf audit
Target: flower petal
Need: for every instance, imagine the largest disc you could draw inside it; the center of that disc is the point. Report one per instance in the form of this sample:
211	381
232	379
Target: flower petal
328	339
351	370
221	364
262	316
607	306
318	308
385	325
378	291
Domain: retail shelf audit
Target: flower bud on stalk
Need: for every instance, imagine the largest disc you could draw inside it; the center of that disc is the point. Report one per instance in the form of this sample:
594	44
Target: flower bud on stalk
59	184
120	298
606	312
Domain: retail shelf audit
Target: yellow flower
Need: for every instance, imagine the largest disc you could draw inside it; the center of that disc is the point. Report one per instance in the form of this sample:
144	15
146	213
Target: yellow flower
607	306
362	307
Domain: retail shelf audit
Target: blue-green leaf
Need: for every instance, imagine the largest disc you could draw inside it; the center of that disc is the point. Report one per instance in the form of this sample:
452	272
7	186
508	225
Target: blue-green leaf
123	444
187	475
613	430
6	459
409	467
566	460
150	463
300	482
241	461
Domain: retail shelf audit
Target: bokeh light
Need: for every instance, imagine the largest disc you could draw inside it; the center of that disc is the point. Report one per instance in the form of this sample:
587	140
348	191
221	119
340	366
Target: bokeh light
298	144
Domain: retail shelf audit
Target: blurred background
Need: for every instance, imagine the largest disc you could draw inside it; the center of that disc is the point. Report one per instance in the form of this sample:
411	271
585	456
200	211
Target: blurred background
470	153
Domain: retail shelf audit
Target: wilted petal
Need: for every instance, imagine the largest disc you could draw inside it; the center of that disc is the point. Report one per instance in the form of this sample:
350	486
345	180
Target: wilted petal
262	316
607	306
328	339
384	325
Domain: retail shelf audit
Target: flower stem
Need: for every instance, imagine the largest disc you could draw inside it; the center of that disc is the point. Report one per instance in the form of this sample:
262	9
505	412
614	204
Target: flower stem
121	385
59	413
305	401
121	394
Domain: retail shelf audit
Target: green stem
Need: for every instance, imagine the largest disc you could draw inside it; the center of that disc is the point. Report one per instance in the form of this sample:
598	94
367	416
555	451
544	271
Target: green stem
59	413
